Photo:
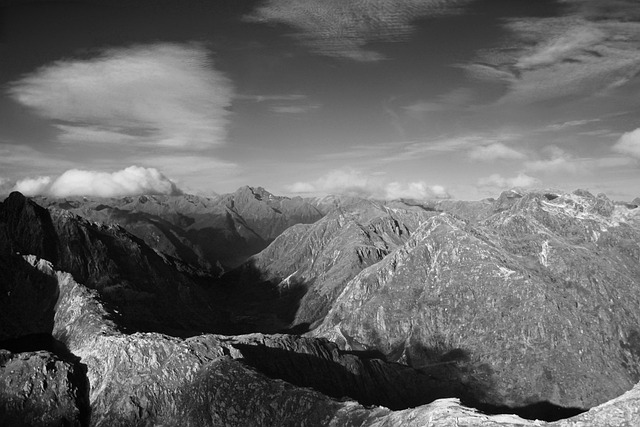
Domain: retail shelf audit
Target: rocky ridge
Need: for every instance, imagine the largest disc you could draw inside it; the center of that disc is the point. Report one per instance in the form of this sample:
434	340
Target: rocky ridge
151	378
214	233
535	302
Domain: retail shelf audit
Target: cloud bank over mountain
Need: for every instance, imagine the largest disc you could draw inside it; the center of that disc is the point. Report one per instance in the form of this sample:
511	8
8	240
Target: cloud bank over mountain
357	183
131	181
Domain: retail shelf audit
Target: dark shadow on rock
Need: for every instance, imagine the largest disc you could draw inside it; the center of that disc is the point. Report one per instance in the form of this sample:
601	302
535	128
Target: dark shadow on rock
27	298
368	380
361	376
545	411
254	303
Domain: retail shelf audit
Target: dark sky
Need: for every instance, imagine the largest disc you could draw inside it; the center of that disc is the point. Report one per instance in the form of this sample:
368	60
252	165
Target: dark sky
412	98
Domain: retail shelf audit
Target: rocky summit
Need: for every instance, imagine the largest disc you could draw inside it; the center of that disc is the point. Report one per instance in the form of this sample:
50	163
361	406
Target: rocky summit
358	312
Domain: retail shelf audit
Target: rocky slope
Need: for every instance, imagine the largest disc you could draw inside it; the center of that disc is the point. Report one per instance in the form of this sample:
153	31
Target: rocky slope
536	302
153	379
295	281
528	300
150	290
214	233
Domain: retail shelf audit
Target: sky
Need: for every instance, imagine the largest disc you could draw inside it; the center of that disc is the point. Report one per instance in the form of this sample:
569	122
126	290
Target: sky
387	99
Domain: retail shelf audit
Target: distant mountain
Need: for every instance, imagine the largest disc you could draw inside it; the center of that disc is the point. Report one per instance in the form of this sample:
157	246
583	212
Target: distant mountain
215	233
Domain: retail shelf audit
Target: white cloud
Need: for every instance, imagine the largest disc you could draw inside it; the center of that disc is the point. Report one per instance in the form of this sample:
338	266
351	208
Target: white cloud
160	94
629	143
549	58
498	182
342	28
557	161
356	183
33	186
495	151
131	181
566	45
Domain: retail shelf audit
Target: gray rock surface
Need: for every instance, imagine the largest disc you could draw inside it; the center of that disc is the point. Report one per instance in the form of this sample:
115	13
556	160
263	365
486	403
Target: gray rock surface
40	389
537	302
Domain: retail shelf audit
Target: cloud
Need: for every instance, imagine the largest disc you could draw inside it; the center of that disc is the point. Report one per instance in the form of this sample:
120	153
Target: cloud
571	124
16	159
549	58
158	95
33	186
557	161
294	109
343	28
629	143
620	10
131	181
192	173
498	182
566	45
495	151
356	183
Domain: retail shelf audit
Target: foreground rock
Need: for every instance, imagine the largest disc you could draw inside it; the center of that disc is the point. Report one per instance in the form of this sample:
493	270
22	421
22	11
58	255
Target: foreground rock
153	379
40	389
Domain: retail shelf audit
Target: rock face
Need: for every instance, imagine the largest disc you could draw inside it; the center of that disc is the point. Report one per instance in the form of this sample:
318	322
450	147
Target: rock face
151	291
39	389
298	277
537	302
214	233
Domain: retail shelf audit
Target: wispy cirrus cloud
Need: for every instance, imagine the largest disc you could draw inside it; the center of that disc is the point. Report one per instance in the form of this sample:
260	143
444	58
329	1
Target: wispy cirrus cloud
496	182
343	28
495	151
578	54
353	182
164	94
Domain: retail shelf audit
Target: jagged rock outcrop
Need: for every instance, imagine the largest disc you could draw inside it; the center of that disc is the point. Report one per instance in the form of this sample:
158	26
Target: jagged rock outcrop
537	302
214	233
40	389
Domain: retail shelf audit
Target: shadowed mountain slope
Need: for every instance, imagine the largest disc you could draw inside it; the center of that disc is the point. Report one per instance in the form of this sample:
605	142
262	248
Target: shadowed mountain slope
214	233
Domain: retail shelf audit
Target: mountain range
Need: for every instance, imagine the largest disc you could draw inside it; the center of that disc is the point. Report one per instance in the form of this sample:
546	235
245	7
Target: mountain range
254	309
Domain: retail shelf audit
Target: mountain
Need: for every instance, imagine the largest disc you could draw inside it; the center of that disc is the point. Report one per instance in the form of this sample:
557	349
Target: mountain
150	290
299	276
535	302
94	374
214	233
412	311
